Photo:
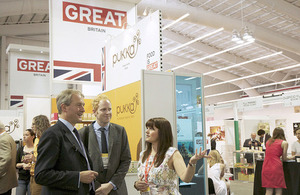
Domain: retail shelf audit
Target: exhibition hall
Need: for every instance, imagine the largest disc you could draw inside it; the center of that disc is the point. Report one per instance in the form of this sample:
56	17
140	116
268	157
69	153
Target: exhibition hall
150	97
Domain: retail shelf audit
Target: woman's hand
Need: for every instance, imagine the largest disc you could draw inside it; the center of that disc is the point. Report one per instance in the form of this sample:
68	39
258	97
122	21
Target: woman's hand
27	166
141	185
198	156
28	158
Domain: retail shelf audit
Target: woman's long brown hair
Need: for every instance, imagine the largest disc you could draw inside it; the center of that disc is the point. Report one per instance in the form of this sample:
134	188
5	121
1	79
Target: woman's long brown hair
165	139
278	133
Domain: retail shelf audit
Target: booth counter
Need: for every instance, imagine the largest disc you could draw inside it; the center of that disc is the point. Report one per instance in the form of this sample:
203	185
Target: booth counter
291	174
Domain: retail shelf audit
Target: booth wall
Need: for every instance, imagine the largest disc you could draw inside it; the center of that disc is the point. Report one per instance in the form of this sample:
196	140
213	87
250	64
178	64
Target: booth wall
249	120
5	41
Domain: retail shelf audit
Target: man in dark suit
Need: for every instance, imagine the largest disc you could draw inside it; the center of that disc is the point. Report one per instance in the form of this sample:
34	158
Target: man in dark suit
251	143
8	153
263	137
108	147
62	165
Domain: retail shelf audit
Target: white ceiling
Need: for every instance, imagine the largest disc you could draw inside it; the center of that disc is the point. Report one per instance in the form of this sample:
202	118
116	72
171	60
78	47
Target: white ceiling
275	25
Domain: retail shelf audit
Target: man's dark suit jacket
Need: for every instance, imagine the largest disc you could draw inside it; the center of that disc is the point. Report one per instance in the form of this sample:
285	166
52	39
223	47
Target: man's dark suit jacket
118	155
249	157
265	138
59	161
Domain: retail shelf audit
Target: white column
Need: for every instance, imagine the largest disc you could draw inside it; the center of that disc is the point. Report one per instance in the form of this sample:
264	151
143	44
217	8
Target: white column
3	81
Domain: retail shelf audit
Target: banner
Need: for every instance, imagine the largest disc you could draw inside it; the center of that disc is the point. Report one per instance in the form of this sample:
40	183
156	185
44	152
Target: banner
291	99
138	47
28	74
78	31
250	104
126	111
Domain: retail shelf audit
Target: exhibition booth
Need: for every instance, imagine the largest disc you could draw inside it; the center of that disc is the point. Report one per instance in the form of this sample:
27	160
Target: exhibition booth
100	48
119	58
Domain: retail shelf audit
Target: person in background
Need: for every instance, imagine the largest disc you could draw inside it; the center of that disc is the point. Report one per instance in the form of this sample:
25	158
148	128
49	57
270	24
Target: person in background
161	164
251	143
272	175
296	144
39	124
215	171
62	165
263	137
23	168
8	177
109	152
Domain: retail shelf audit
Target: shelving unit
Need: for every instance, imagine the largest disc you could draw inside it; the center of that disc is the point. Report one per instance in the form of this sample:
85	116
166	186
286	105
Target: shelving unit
242	170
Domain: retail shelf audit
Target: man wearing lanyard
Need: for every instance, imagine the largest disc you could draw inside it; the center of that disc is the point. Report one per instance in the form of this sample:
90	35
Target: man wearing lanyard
108	147
62	165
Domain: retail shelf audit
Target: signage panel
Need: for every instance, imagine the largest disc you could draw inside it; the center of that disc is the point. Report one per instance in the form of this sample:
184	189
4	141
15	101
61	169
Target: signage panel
28	75
250	104
135	49
291	99
78	32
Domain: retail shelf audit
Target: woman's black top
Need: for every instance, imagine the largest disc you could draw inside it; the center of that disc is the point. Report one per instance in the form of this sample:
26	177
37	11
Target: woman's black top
23	174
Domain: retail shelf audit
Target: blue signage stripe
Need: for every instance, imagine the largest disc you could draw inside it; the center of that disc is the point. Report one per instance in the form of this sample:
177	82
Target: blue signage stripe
14	102
86	77
58	72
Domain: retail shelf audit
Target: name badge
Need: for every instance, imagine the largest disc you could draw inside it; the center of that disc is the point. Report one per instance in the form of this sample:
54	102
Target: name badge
105	160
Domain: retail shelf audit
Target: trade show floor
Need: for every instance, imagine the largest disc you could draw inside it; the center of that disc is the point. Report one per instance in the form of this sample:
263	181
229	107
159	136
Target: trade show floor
241	187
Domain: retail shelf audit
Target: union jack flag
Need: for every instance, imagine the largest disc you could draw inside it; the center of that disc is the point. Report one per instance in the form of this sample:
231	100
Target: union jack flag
103	73
76	71
16	101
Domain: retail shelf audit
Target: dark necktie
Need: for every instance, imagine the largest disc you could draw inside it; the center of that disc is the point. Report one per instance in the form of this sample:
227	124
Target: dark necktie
103	141
77	136
92	185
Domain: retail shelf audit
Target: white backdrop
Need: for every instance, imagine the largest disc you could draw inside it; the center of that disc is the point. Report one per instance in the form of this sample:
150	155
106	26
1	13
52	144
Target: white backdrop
78	31
35	105
28	74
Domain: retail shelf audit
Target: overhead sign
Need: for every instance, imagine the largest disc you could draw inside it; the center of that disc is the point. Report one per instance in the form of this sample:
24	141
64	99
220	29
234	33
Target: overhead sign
291	99
29	65
135	49
78	31
73	12
250	104
28	75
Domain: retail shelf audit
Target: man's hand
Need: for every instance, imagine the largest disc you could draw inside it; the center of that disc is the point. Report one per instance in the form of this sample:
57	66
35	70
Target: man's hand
88	176
104	189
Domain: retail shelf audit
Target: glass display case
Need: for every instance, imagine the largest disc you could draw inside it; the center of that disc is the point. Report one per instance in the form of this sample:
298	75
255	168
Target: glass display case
244	164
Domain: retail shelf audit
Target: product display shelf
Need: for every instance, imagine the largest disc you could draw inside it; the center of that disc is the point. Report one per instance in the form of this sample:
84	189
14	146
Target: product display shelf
244	162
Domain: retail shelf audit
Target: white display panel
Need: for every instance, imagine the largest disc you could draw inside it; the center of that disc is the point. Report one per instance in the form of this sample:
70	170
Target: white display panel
135	49
78	31
34	106
28	74
158	99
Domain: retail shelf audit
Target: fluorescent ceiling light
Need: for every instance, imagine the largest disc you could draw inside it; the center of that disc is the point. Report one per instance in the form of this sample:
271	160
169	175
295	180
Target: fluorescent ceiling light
271	103
253	75
259	86
235	100
190	78
192	41
211	55
242	63
172	23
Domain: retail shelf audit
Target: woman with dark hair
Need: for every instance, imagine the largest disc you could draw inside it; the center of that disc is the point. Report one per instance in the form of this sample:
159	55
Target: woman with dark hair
22	166
272	172
160	163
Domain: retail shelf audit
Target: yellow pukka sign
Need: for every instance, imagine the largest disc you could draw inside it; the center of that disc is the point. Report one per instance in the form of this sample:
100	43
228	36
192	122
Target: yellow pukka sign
126	111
